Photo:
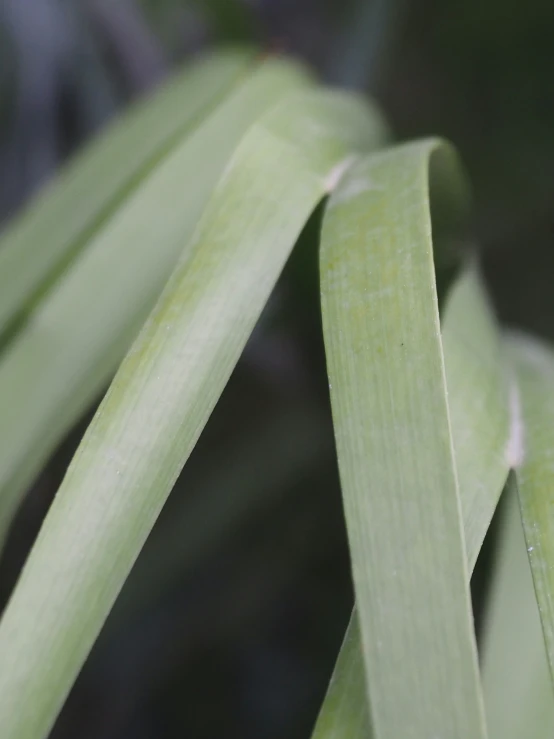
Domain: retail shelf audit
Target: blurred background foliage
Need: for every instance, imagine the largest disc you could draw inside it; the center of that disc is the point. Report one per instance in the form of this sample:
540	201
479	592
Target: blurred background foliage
234	614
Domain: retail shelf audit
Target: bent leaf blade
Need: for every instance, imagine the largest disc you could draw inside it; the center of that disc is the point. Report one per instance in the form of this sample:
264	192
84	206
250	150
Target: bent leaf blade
162	396
395	449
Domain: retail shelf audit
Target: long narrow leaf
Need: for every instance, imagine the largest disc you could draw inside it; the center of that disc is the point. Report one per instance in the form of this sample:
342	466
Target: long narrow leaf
534	364
478	398
395	449
480	392
162	396
516	684
49	232
72	345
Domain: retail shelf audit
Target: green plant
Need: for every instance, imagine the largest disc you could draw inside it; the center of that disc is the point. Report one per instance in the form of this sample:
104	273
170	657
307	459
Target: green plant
206	189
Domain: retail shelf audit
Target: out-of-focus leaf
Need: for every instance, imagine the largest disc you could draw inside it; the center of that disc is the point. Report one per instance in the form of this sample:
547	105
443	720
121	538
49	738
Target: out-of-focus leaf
38	245
75	338
534	365
516	685
163	395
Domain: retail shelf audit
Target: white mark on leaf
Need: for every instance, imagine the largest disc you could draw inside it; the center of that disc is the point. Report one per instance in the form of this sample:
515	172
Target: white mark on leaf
335	175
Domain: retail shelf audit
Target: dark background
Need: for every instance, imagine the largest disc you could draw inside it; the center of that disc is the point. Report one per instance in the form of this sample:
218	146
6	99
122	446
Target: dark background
231	621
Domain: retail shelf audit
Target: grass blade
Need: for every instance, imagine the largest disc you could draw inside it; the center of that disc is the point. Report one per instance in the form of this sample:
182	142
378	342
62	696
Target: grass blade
64	356
395	450
40	242
345	713
479	394
478	401
516	684
162	396
534	364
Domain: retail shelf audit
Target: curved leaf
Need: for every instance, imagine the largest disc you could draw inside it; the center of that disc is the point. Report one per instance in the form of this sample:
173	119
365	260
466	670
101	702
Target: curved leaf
71	346
162	396
478	398
534	365
395	446
516	683
37	246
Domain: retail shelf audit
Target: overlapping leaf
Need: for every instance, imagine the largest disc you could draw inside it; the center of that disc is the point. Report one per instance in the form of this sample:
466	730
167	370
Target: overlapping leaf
478	399
39	244
162	396
396	448
428	418
516	685
534	367
73	341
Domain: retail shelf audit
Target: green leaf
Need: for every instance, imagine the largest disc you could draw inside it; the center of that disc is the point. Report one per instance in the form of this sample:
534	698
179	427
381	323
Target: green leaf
64	356
534	365
345	712
480	388
516	683
478	402
162	396
38	245
395	447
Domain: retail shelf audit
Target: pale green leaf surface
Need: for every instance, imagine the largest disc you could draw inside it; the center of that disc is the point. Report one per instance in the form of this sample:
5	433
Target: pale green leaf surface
516	683
534	366
480	389
395	450
53	228
478	399
71	345
344	713
162	396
